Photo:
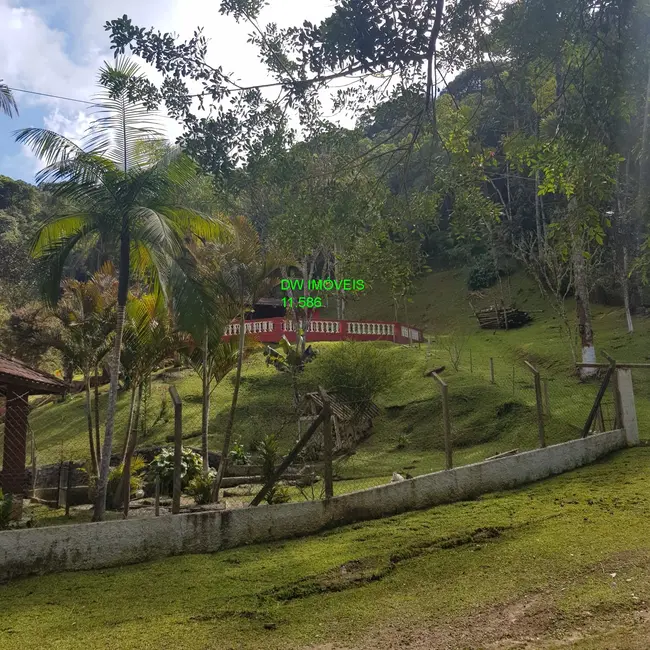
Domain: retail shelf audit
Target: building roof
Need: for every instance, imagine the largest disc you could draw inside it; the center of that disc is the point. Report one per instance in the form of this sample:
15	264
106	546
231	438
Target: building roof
18	375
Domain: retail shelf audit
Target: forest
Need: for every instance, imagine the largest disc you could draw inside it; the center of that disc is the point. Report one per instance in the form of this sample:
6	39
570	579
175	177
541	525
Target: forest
480	134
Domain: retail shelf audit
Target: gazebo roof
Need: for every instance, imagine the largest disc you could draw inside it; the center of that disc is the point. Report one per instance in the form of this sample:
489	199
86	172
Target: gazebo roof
19	376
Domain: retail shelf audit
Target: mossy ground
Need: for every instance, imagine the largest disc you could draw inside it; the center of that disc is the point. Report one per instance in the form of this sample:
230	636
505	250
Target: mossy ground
564	558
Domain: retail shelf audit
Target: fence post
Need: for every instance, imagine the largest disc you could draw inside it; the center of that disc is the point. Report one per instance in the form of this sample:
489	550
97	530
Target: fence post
327	444
157	497
444	391
615	390
68	485
540	407
178	449
546	399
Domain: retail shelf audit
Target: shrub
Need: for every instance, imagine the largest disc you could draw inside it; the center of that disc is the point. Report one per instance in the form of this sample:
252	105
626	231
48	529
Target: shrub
482	275
356	372
5	510
238	455
200	487
403	441
162	467
268	450
136	480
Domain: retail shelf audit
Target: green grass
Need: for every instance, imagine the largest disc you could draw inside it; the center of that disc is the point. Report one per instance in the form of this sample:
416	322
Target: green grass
452	567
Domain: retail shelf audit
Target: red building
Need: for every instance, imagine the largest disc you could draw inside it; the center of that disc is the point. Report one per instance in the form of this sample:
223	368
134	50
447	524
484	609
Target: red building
269	323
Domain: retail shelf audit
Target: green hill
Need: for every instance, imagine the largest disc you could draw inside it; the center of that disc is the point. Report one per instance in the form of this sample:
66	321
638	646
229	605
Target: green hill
486	418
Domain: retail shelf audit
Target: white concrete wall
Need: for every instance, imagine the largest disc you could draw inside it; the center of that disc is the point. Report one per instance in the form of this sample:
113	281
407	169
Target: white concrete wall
96	545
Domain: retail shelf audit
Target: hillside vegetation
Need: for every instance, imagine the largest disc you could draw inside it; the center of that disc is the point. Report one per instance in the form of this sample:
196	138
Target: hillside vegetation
407	437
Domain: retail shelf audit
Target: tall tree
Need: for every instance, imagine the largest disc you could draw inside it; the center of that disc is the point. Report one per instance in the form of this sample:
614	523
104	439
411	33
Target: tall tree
245	272
120	189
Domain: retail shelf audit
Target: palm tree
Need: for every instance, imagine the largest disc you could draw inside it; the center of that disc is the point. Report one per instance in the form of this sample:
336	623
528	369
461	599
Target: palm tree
7	101
85	311
245	272
121	184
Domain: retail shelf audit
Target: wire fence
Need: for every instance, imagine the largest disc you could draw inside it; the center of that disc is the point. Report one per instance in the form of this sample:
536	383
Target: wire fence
490	406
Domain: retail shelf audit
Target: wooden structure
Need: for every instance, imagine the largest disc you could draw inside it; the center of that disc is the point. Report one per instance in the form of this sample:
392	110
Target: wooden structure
350	424
17	382
501	318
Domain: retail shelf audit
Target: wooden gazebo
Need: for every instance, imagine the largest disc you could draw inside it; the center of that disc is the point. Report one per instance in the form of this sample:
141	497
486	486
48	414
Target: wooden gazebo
17	382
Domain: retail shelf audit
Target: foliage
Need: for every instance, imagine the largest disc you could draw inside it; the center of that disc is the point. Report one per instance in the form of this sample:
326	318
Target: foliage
403	441
5	509
482	274
356	372
136	479
238	454
269	453
200	487
162	467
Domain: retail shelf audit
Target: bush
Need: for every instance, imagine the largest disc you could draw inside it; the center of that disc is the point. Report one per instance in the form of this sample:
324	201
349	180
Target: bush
162	467
269	455
137	480
356	372
482	275
5	510
238	455
201	486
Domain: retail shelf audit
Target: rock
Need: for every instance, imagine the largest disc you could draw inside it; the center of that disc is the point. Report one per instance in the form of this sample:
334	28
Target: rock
139	494
397	478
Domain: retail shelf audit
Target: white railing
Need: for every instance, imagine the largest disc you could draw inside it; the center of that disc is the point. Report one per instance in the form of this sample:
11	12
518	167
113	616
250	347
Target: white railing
378	329
251	327
324	327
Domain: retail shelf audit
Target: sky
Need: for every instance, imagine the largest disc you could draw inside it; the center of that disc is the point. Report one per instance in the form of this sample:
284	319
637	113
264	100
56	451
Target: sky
58	46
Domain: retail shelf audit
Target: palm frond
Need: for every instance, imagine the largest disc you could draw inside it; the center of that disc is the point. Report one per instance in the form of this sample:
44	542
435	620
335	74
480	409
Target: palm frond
56	230
121	123
7	102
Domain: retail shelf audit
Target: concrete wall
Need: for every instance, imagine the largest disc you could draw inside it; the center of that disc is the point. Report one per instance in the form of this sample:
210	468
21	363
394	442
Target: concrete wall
96	545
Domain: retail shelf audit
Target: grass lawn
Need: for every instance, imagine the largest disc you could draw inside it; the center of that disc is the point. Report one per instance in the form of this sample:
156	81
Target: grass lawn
564	561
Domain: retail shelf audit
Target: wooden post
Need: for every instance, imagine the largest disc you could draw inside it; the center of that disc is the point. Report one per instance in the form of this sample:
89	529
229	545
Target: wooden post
444	391
68	485
157	497
540	406
547	401
491	370
327	444
178	449
291	456
617	398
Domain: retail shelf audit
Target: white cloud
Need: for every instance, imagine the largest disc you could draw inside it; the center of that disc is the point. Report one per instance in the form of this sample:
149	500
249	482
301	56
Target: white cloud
57	46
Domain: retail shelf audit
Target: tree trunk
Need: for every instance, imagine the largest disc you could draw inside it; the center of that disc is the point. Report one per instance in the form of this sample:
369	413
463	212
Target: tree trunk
98	444
538	218
123	491
626	294
122	295
89	419
642	193
129	423
223	464
206	405
582	308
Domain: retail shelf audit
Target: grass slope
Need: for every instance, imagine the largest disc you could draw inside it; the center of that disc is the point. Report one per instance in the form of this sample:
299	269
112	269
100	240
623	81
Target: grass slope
565	560
487	418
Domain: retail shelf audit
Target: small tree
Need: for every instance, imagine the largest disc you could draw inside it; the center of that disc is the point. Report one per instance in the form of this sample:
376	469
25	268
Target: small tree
355	372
